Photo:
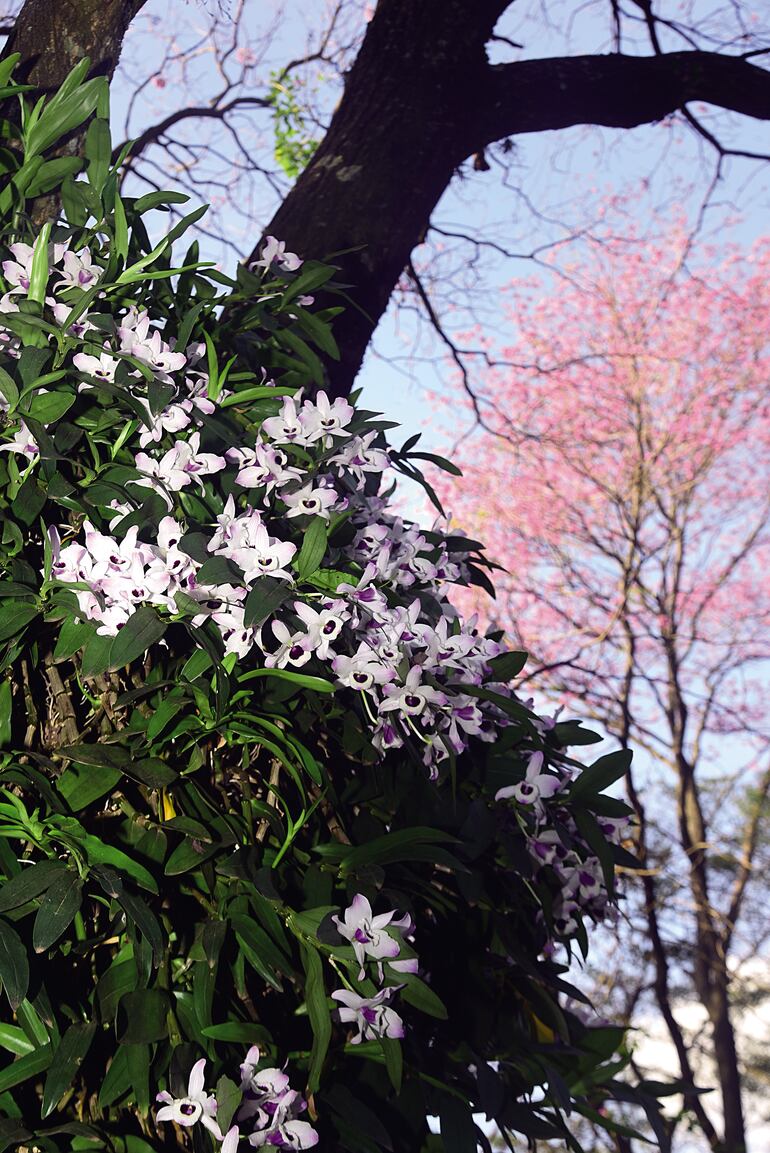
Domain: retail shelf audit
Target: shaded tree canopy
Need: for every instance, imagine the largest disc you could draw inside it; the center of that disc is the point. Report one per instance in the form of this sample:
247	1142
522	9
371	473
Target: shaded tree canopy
421	98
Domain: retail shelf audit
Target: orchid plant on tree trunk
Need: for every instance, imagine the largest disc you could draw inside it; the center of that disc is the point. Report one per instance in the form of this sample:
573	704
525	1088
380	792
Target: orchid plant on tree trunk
264	790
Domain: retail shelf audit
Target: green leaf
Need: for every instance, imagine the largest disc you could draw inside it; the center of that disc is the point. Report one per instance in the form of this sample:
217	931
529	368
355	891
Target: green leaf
589	829
507	665
14	968
142	1017
99	853
416	992
38	277
65	112
32	1024
81	786
218	570
29	501
265	597
259	392
312	276
146	922
313	365
440	461
14	617
48	407
51	174
318	1013
98	153
318	331
29	883
394	1061
119	979
229	1098
396	846
139	1060
188	855
72	636
601	774
458	1132
26	1067
366	1125
239	1032
330	579
7	66
313	548
141	631
302	680
57	910
67	1060
258	940
107	654
158	200
15	1041
8	389
118	1080
6	708
572	733
120	225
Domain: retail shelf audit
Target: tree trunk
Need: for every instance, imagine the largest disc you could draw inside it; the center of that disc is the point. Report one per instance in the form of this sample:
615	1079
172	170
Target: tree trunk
404	124
53	36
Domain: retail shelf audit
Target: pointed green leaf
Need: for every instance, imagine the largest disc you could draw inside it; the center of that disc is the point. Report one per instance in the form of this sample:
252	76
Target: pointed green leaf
318	1013
14	968
67	1060
57	910
29	883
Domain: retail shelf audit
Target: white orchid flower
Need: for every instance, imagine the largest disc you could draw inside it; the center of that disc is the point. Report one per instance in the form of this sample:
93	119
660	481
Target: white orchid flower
372	1017
366	933
198	1105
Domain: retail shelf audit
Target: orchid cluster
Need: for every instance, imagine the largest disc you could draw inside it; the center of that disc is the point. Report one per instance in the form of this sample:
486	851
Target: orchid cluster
268	1114
374	938
205	526
233	687
552	841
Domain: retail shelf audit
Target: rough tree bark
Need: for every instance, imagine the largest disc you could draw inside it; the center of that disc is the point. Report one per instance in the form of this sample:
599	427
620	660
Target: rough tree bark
53	37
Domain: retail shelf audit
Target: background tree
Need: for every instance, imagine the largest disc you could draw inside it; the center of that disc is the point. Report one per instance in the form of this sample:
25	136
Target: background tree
420	99
633	521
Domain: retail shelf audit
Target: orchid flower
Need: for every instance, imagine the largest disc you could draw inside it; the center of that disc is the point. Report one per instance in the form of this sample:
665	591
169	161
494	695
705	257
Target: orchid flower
198	1105
371	1016
275	250
366	933
535	787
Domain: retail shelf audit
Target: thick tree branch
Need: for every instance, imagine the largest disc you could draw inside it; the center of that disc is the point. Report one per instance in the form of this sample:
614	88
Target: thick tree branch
615	91
406	122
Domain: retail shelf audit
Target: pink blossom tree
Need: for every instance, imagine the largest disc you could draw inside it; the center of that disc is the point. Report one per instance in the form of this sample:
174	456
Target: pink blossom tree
623	481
